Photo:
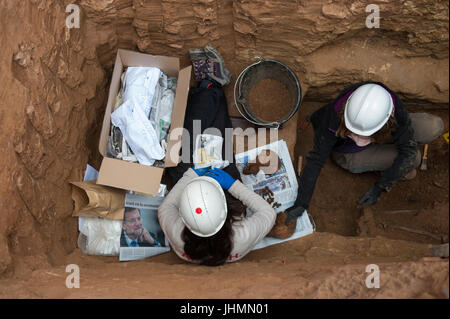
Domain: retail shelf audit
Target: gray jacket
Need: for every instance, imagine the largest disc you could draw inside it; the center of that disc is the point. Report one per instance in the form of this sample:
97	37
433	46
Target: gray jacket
246	232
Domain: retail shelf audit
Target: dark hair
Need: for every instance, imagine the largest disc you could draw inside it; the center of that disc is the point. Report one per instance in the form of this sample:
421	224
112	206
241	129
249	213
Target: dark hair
214	250
130	209
379	136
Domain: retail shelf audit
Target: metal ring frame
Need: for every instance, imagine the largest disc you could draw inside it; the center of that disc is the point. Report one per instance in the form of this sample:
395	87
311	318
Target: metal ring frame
246	114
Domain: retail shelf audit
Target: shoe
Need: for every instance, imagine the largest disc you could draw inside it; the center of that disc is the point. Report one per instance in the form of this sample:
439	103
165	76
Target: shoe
410	175
200	63
217	70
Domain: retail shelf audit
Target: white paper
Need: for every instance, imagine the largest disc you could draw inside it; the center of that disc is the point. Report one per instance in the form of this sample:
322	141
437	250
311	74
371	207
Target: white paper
208	152
90	174
282	183
165	113
148	208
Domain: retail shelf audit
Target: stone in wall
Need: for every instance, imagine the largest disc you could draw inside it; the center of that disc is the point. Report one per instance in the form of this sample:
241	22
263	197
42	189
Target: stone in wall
329	45
47	81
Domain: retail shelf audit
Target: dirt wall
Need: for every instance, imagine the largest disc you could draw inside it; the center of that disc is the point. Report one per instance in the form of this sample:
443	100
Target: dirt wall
54	81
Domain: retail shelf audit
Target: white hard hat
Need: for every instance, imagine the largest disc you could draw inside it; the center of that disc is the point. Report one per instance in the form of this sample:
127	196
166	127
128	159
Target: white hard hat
368	109
203	207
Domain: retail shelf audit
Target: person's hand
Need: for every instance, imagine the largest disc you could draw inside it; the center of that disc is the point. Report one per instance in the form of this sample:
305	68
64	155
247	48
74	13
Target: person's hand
370	197
146	237
201	171
293	213
223	178
280	230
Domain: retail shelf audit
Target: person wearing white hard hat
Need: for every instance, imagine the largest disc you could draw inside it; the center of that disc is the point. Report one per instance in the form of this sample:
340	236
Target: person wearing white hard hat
204	215
203	226
366	128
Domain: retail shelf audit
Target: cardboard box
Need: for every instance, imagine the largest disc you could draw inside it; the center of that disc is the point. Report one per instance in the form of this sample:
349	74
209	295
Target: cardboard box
133	176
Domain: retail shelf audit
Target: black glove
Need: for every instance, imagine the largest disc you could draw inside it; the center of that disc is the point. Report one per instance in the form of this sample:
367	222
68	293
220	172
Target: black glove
370	197
294	212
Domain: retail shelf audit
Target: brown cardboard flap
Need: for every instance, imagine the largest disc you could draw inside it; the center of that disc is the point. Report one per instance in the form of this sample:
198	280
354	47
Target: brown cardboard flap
169	65
179	109
130	176
113	90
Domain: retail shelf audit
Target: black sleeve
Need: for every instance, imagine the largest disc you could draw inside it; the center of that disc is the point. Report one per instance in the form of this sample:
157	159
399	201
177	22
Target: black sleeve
324	141
406	147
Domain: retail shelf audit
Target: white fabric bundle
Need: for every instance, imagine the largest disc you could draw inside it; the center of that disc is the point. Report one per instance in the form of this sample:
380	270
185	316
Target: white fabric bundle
138	132
101	236
140	86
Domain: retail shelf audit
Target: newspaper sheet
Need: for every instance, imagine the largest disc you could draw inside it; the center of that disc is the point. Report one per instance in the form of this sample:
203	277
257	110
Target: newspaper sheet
142	235
89	175
303	228
282	183
147	208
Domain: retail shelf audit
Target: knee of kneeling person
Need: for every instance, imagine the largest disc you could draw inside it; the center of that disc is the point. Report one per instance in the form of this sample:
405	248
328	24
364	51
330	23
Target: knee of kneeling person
436	128
427	128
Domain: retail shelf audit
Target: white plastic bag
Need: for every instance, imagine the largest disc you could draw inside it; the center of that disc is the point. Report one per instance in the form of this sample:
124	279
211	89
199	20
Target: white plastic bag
100	236
138	132
140	85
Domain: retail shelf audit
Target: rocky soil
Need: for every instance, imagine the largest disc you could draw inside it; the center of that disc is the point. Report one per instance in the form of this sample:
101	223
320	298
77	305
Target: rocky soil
54	85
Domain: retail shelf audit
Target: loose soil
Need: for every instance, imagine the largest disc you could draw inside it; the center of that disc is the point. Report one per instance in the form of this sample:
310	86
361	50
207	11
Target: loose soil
321	265
270	100
331	263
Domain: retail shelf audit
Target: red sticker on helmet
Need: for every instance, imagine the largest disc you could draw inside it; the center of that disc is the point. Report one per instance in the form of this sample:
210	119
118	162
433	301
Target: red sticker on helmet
198	210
